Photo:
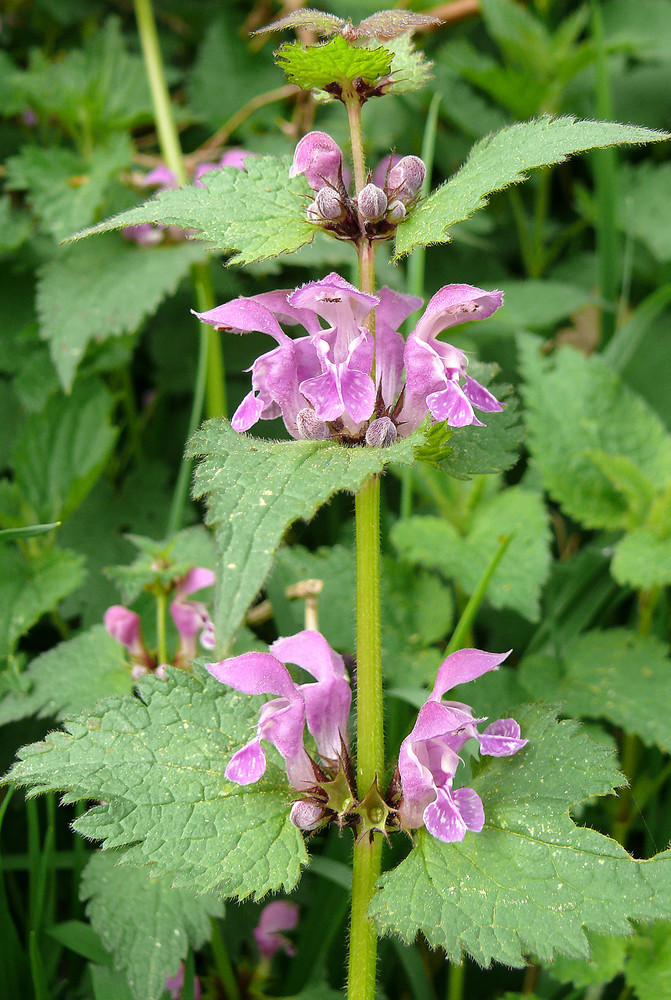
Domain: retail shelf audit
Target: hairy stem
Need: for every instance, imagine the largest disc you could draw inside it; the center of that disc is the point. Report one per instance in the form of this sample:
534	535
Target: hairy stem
353	107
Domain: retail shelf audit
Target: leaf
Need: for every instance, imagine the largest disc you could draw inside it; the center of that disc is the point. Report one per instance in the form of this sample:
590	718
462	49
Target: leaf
156	764
70	678
64	189
61	451
648	969
576	405
642	559
82	939
30	588
615	675
146	924
256	489
474	451
516	583
410	69
130	283
531	880
644	206
502	159
320	66
9	534
253	213
606	960
97	89
15	225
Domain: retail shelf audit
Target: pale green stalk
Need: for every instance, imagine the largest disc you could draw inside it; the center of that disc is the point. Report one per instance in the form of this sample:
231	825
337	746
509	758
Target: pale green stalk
370	728
210	388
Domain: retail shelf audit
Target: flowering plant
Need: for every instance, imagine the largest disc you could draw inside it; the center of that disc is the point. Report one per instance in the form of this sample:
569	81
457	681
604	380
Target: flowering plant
271	697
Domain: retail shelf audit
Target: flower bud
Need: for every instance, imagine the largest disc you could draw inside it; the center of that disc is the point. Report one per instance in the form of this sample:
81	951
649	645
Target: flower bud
329	205
318	156
310	427
372	202
306	815
406	178
396	211
381	433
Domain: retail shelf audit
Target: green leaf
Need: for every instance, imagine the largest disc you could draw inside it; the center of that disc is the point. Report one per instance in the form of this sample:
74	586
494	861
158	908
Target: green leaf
70	678
15	225
410	70
8	534
61	451
109	985
146	924
577	406
474	451
642	559
96	89
30	588
516	582
82	939
130	283
64	189
255	213
606	960
156	764
615	675
162	562
257	488
645	206
531	880
333	62
503	159
648	969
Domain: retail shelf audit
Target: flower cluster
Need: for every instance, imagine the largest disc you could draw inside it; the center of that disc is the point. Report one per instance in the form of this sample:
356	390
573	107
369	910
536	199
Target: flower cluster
429	756
191	619
323	707
380	205
321	383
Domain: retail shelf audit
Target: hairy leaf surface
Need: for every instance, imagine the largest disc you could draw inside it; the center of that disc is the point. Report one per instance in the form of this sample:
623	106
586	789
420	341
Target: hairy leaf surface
156	765
502	159
257	488
145	923
253	214
531	881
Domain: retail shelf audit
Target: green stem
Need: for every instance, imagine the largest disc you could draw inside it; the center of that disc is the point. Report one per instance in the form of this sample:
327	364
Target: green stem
161	600
370	735
210	377
168	137
353	108
605	177
223	962
476	598
455	981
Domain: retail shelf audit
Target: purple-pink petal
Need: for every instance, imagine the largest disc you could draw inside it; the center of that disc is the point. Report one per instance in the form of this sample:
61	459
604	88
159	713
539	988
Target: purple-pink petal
453	813
451	404
454	304
248	764
319	158
276	917
501	738
463	666
194	580
255	673
480	397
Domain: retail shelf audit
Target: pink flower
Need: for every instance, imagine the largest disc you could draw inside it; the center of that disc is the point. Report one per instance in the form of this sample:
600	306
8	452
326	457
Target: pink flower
275	918
124	626
321	384
323	706
191	617
434	369
429	756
